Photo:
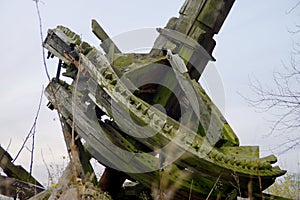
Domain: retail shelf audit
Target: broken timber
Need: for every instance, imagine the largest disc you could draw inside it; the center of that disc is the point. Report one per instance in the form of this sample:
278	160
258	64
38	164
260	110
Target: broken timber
12	187
18	183
211	155
14	171
209	161
206	164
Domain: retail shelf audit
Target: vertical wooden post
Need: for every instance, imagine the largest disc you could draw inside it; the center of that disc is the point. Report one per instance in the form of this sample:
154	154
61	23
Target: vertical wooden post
111	181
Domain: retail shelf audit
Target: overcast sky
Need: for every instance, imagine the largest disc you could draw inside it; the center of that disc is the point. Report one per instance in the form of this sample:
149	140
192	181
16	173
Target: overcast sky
253	41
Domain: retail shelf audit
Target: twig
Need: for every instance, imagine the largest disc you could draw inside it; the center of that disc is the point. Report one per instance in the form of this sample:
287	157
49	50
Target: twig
260	183
31	133
191	189
42	37
6	150
282	101
237	180
47	168
9	143
212	189
293	8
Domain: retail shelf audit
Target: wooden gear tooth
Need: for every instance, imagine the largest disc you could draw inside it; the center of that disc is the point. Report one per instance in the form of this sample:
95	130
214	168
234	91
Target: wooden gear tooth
103	70
168	128
138	106
113	82
108	75
145	110
150	114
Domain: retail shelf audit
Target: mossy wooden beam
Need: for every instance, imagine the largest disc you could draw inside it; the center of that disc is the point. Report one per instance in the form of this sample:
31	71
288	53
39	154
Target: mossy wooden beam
84	167
107	42
15	171
199	21
111	181
214	159
14	188
103	154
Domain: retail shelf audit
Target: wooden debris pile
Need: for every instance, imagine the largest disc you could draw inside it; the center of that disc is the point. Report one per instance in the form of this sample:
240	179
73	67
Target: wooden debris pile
146	118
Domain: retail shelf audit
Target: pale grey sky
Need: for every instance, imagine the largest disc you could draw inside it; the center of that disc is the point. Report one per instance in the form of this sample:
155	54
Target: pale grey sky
252	42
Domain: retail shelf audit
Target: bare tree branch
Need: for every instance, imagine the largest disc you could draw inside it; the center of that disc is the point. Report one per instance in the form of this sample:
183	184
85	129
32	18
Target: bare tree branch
293	8
34	131
31	134
42	37
282	101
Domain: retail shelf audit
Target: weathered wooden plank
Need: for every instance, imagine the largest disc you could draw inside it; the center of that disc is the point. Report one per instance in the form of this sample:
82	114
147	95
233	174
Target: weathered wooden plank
111	181
63	182
91	131
199	20
12	187
80	158
14	171
191	7
107	42
219	11
102	146
104	155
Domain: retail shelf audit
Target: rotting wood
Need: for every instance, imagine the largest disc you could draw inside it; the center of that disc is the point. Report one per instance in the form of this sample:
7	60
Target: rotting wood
12	187
104	90
63	183
204	168
107	42
80	157
199	21
84	121
15	171
111	181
